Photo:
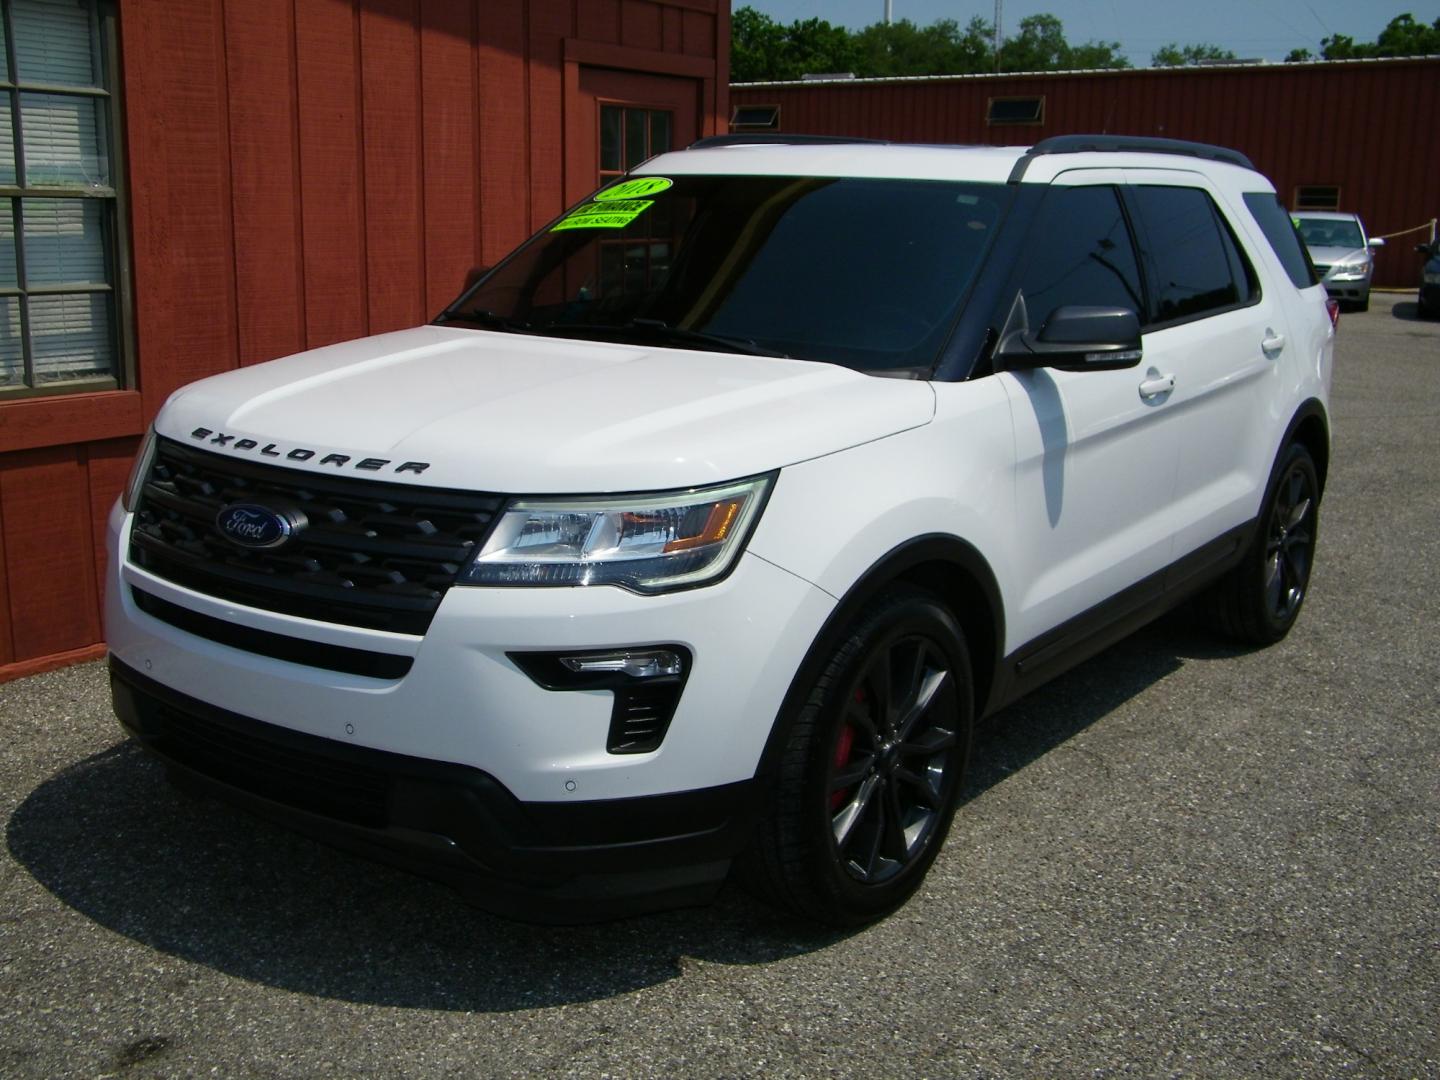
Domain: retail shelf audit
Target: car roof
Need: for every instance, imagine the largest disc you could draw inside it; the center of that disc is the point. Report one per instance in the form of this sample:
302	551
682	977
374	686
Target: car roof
1325	215
911	161
983	164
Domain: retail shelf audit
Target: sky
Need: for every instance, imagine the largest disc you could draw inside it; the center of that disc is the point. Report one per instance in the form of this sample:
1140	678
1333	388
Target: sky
1267	29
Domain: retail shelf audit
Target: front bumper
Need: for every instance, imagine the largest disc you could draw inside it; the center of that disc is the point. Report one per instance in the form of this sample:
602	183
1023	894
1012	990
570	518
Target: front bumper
546	862
468	769
1348	289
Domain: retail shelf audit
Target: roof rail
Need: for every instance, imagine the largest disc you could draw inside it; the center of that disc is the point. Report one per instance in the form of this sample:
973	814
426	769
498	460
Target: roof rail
1139	144
771	139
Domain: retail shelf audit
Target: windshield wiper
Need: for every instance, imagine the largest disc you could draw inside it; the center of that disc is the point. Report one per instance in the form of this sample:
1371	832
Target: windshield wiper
657	328
491	320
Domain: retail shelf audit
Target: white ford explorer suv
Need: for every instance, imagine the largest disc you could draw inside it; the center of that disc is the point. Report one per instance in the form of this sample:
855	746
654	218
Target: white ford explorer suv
697	534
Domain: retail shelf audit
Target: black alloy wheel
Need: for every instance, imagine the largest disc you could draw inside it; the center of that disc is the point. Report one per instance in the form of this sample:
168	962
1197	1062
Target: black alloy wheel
891	769
1290	542
1259	600
872	766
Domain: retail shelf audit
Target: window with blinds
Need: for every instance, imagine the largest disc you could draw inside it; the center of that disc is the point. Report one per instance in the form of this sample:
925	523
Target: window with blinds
59	323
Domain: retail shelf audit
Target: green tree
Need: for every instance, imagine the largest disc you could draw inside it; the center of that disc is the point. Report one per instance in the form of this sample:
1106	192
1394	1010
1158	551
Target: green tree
942	48
756	43
1041	46
1298	56
762	49
1402	36
1173	55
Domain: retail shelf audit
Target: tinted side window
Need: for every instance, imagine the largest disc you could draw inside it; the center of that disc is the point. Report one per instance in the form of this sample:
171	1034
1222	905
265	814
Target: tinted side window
1279	230
1081	253
1189	253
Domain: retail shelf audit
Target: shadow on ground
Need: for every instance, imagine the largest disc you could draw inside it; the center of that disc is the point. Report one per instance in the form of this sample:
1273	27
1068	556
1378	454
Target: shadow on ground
1407	311
207	883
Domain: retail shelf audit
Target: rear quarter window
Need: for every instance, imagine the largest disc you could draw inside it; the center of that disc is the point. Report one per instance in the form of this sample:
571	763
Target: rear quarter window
1279	230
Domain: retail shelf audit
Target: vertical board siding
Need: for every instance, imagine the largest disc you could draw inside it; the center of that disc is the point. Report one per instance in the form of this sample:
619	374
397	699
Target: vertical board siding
549	26
390	133
179	166
329	117
1357	125
449	136
504	131
7	639
269	292
49	561
304	172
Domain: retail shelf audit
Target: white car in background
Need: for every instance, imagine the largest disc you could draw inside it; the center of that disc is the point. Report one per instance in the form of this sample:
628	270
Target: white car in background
1343	255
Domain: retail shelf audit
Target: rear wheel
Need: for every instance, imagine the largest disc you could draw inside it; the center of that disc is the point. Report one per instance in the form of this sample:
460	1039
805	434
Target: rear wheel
872	768
1260	599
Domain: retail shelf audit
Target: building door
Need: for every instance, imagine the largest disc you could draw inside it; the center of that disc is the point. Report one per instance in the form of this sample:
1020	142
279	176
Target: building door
621	119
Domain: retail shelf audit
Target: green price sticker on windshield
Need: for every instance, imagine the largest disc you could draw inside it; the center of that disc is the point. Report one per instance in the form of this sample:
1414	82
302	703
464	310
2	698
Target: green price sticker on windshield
639	188
603	215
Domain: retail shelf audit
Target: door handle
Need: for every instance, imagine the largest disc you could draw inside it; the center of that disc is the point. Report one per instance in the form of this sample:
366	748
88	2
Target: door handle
1160	384
1272	342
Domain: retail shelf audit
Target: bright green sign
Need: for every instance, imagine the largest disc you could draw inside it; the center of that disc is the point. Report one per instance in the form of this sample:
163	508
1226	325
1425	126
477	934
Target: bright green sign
615	214
638	188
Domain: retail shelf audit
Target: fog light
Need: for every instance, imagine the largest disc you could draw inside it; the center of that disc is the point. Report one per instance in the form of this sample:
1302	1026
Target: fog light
637	665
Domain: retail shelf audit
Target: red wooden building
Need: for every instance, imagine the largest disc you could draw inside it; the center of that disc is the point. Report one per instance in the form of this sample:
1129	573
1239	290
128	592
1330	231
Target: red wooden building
192	185
1350	135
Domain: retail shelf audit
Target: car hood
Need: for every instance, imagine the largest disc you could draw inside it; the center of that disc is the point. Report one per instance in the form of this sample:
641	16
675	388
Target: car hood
494	411
1335	256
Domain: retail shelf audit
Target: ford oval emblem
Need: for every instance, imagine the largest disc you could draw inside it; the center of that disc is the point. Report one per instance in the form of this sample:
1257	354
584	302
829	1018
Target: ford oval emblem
254	526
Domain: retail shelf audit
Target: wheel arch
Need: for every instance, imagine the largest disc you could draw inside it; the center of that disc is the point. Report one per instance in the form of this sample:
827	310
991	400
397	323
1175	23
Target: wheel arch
1310	426
944	565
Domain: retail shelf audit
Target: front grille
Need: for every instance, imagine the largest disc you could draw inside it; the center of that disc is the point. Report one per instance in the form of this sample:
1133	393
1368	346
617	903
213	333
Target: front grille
1321	269
373	554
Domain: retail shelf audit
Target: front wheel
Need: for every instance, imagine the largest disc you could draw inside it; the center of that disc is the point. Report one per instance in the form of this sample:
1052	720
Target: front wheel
872	768
1259	600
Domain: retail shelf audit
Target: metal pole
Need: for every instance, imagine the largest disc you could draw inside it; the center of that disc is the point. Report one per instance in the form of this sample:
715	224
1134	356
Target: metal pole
889	10
999	12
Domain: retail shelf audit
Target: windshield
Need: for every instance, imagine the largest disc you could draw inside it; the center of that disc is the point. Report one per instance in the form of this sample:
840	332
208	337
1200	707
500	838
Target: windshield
868	273
1330	232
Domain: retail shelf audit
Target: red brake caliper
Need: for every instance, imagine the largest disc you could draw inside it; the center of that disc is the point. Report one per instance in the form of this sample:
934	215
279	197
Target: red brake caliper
844	746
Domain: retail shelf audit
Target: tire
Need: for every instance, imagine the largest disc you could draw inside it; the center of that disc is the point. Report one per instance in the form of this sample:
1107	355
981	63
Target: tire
872	767
1258	601
1363	305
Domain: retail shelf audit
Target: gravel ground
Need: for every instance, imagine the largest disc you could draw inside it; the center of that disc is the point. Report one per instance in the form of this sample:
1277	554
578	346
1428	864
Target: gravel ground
1178	860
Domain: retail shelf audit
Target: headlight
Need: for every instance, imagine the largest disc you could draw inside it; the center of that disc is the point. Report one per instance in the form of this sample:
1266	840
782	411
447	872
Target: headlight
138	472
645	543
1353	270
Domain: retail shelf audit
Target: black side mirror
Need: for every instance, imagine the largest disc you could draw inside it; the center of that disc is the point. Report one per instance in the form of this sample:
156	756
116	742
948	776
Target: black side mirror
1076	338
1428	249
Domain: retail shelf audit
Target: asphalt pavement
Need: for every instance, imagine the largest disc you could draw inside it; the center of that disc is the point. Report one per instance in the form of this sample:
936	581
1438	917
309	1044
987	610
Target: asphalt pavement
1181	859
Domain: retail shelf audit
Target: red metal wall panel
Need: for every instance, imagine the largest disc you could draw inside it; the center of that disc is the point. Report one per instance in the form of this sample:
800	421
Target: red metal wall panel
303	172
1365	126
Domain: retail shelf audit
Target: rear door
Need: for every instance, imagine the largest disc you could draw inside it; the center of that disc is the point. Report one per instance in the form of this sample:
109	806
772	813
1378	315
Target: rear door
1220	336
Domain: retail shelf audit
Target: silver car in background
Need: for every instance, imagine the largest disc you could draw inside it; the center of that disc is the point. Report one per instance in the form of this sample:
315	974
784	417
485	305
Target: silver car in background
1343	255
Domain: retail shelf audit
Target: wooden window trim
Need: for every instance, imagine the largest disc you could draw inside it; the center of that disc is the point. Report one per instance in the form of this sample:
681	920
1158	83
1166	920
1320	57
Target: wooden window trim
106	48
58	419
